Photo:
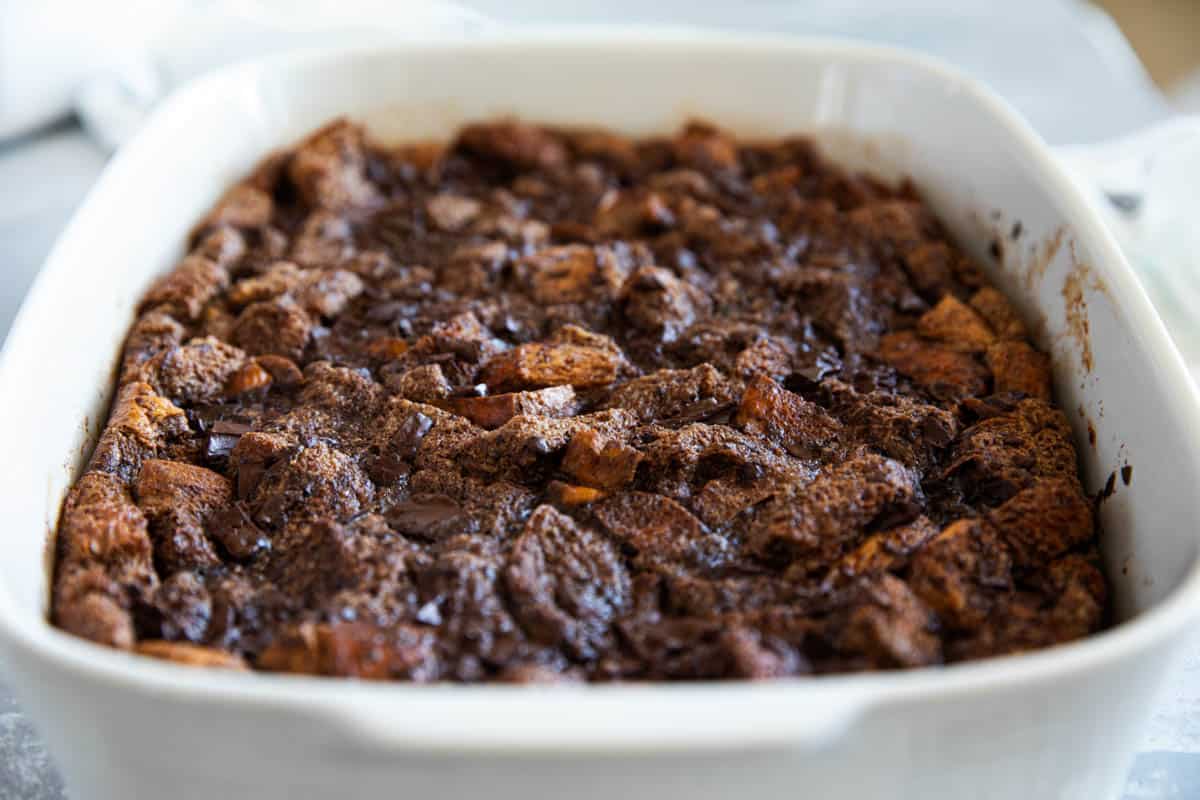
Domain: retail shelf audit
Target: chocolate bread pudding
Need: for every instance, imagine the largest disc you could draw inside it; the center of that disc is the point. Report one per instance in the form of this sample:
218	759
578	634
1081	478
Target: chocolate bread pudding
542	404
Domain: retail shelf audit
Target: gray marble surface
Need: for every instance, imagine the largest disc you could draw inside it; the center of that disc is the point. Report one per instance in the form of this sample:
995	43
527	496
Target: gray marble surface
46	175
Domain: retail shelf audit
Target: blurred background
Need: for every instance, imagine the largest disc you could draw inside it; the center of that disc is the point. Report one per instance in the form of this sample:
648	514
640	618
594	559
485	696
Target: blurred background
1109	83
1165	34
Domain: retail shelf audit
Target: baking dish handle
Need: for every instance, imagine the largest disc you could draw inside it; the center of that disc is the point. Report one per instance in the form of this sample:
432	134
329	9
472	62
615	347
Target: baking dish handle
617	718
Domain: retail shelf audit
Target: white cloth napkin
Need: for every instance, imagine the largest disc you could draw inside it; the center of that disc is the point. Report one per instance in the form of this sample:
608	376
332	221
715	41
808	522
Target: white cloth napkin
112	62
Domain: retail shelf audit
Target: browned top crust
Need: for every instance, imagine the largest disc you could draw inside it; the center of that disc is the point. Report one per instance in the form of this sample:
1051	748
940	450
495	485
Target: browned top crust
547	404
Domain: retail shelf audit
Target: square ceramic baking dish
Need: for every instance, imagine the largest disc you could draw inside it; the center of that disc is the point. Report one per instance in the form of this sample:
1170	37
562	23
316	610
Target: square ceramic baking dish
1061	723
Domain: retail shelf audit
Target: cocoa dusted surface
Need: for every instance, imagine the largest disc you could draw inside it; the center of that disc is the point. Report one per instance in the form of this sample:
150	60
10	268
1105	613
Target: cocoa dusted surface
543	405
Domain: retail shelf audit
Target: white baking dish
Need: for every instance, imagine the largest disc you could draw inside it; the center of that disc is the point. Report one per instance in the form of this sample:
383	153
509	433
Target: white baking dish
1061	723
